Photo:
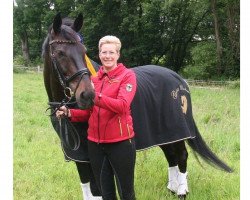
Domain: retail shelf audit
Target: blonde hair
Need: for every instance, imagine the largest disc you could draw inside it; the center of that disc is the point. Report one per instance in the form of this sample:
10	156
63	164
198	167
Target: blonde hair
110	39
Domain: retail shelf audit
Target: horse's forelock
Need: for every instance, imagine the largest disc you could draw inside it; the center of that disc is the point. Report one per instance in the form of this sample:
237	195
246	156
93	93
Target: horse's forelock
68	33
67	21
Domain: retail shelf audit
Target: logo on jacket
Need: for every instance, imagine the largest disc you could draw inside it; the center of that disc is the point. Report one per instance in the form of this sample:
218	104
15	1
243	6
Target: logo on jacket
129	87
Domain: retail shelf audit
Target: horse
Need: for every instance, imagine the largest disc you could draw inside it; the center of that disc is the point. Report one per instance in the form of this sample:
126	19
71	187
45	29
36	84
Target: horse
161	109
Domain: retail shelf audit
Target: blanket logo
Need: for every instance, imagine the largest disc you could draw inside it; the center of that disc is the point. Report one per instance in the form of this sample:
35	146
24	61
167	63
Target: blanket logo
174	93
184	104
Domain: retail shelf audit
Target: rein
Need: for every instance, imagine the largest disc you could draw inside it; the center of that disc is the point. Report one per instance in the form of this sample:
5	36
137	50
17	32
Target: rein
66	128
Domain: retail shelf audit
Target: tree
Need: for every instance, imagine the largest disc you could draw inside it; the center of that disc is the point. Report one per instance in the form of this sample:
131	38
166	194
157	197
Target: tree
28	15
168	33
220	69
20	30
233	29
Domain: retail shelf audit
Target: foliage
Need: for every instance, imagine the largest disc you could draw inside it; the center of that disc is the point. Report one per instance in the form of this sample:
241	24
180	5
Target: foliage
19	60
152	32
235	84
204	60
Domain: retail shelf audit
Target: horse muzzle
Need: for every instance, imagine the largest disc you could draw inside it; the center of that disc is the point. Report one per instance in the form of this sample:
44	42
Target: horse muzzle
86	100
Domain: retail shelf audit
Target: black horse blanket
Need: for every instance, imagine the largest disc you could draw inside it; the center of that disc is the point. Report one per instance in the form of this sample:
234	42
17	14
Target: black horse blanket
161	111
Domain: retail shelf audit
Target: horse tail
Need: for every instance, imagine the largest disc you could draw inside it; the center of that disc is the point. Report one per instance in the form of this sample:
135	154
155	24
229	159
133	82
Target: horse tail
199	146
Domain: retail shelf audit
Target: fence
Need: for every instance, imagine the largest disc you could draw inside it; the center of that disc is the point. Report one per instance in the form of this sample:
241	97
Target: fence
210	83
37	69
201	83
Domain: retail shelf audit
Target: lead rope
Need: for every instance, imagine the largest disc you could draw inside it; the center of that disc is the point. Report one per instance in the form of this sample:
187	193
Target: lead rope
76	141
64	126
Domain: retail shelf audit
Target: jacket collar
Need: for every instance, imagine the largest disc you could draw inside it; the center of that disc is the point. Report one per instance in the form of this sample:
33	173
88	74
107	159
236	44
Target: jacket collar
113	73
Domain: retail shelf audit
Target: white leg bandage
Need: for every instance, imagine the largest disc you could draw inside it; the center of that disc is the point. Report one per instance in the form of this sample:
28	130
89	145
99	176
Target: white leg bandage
87	195
172	178
183	186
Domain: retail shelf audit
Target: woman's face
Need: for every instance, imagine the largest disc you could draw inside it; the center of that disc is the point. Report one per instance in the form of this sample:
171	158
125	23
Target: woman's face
109	56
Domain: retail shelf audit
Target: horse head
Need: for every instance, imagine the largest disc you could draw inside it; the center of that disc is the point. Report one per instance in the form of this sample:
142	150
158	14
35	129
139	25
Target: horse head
67	55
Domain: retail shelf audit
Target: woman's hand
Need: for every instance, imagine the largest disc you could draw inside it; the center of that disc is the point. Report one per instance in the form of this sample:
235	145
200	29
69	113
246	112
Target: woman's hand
62	112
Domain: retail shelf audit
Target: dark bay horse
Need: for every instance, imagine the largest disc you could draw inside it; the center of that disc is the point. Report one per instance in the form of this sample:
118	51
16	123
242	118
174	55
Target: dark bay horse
161	109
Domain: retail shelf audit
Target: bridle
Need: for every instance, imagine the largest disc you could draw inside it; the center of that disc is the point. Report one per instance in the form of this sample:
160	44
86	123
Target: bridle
64	123
64	81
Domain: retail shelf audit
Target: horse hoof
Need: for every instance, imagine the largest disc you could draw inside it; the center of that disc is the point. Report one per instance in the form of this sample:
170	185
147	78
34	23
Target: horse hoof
182	197
171	191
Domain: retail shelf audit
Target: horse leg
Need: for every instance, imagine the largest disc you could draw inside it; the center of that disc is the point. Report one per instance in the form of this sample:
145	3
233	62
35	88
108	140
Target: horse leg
89	188
182	156
169	152
176	155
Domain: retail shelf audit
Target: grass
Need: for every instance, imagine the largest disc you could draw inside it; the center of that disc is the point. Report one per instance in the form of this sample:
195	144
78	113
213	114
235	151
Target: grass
40	172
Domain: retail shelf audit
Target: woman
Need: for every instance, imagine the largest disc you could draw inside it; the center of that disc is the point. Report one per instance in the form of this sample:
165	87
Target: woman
110	134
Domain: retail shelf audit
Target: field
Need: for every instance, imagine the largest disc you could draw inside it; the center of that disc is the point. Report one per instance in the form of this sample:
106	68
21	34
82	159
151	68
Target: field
40	172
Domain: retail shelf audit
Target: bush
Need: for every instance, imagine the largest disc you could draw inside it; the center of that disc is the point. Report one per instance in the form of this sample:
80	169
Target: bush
18	71
194	72
203	62
19	60
37	61
235	84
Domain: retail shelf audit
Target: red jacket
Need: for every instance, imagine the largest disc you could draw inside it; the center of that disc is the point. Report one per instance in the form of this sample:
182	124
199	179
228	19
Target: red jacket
110	118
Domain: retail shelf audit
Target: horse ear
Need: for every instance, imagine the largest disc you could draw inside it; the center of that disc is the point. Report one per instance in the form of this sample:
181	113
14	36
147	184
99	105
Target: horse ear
78	23
57	23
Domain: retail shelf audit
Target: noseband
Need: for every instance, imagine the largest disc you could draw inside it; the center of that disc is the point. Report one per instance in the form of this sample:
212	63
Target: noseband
64	81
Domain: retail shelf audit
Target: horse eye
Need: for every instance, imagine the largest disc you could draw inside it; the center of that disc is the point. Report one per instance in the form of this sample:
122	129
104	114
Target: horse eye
60	54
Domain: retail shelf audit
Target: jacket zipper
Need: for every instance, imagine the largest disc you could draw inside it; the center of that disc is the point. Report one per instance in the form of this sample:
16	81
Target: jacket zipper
129	133
98	115
128	130
119	119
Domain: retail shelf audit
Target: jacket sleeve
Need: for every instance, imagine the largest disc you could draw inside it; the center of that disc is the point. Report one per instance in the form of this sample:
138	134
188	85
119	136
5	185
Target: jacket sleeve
124	98
78	115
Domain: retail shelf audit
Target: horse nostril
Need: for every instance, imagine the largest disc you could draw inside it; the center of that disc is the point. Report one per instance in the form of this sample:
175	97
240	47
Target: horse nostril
87	97
83	95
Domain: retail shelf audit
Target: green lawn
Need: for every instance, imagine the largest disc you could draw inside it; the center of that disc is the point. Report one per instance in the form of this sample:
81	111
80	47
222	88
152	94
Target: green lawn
40	172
